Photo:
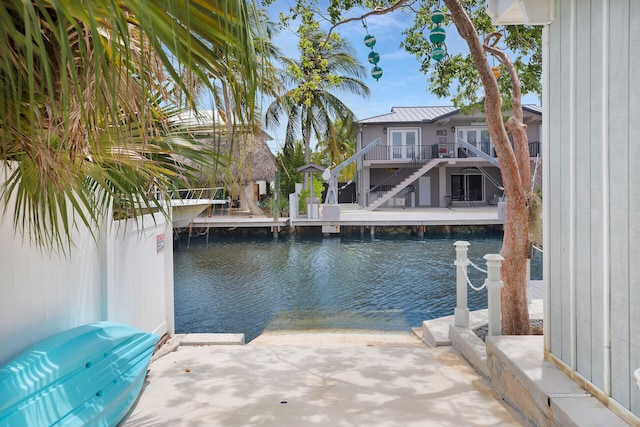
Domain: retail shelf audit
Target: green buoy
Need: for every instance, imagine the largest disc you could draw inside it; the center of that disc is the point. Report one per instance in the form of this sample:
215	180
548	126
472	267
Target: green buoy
437	35
438	53
437	16
369	40
376	72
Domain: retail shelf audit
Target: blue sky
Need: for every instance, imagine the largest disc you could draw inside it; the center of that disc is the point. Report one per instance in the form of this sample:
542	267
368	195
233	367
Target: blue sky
402	84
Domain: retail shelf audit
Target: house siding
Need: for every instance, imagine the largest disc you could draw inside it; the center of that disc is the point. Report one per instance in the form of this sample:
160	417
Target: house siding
594	193
373	169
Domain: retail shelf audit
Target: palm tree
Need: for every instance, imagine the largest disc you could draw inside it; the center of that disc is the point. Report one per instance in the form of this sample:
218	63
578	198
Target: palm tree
89	90
341	146
327	65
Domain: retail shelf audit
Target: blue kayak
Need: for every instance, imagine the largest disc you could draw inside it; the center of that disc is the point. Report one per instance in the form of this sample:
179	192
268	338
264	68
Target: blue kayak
89	375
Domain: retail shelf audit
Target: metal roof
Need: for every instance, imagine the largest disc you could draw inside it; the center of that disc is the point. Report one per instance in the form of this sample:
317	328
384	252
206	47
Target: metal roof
412	114
532	108
425	114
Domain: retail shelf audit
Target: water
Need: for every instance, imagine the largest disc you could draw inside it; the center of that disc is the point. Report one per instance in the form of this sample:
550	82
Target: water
237	285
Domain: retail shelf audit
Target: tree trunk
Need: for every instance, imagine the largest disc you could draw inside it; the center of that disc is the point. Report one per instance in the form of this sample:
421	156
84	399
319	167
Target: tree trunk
515	313
247	191
306	136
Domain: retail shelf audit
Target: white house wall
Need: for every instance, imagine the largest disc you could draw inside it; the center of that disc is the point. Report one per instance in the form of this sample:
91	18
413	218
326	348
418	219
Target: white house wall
122	277
594	197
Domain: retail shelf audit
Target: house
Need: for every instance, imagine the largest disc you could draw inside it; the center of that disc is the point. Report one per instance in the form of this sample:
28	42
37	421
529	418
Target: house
591	214
422	160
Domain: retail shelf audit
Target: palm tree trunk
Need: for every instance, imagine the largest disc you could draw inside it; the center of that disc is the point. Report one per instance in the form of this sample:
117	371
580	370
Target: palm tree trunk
306	134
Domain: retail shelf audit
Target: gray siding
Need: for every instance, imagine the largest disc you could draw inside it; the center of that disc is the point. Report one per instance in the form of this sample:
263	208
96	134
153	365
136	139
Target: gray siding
634	199
594	200
619	198
584	154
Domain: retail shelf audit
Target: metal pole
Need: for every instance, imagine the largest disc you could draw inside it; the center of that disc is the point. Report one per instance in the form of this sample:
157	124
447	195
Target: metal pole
462	311
494	284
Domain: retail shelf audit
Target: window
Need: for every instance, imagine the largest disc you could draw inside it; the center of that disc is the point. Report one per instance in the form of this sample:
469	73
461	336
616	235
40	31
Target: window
478	137
403	143
467	186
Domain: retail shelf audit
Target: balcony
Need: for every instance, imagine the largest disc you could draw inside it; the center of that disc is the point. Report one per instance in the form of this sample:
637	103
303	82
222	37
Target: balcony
424	153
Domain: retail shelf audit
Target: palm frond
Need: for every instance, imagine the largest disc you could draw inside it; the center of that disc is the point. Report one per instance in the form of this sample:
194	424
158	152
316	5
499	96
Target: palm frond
88	89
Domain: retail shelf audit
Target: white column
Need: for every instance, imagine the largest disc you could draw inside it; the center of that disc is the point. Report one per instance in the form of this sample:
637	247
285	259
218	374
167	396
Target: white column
293	206
461	263
494	284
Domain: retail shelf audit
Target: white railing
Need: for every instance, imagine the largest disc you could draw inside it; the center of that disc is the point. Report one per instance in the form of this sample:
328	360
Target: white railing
492	283
214	193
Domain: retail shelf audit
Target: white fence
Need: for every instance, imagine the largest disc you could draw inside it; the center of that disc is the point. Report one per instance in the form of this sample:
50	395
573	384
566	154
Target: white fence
126	276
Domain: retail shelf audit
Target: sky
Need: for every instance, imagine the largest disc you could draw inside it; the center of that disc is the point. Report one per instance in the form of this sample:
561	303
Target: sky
402	82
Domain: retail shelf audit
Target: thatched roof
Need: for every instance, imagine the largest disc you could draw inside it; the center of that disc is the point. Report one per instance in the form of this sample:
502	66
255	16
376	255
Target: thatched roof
251	158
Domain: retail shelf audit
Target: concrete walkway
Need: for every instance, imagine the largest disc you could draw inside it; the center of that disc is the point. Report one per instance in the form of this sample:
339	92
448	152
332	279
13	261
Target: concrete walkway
317	379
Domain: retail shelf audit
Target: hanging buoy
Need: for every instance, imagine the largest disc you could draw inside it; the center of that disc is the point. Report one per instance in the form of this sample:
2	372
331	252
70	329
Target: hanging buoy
495	71
376	72
437	35
374	57
438	53
369	40
437	16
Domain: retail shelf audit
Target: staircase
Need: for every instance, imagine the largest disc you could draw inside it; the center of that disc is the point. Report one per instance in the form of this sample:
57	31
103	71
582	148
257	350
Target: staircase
402	185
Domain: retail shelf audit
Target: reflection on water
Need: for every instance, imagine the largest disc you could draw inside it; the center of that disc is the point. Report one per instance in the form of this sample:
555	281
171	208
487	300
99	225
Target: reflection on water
246	285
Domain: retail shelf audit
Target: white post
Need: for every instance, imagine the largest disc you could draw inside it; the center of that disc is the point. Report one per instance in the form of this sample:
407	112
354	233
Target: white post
293	206
494	284
461	263
528	281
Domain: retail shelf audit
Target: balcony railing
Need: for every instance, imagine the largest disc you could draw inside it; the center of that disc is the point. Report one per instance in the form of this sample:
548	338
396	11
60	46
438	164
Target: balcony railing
424	153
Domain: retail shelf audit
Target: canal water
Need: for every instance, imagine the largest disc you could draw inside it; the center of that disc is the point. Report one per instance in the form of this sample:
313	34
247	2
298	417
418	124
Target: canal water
246	285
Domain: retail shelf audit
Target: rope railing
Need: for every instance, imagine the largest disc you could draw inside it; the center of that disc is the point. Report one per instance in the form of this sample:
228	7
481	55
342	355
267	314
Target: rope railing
475	288
492	283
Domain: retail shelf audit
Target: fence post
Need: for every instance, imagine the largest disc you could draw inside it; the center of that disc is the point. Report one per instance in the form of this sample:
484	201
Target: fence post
461	262
494	284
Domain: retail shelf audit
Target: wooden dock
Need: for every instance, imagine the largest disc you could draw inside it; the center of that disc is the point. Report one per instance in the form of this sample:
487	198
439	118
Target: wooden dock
354	216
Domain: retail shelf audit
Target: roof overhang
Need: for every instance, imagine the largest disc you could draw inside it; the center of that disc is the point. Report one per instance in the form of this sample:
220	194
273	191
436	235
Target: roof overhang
310	168
521	12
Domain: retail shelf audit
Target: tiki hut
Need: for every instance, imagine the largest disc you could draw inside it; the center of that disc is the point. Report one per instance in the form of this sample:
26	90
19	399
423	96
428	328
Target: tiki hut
244	158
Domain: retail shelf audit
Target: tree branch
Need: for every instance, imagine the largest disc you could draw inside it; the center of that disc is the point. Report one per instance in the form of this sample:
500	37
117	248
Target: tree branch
376	11
515	123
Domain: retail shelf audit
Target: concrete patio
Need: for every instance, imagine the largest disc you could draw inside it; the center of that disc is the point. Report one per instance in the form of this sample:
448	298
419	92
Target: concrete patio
318	379
439	375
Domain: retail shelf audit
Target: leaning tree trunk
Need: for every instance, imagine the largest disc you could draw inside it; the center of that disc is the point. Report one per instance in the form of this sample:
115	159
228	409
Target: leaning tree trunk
252	205
515	313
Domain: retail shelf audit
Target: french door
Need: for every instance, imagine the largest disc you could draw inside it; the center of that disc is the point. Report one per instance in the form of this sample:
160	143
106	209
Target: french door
468	186
403	143
478	137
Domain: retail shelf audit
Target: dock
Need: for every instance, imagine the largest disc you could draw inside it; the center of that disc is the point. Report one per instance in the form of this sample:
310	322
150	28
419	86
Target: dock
355	216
